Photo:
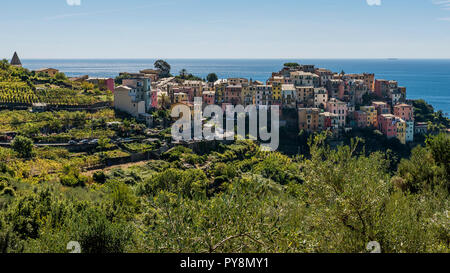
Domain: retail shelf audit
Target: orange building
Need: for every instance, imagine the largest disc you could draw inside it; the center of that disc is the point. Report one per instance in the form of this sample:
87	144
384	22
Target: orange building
308	119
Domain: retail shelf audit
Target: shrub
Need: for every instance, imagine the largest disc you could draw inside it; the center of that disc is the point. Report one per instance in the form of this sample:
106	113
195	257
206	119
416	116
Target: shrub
99	177
23	146
97	234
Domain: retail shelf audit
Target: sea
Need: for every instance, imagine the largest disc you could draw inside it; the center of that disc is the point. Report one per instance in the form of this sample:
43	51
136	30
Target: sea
424	79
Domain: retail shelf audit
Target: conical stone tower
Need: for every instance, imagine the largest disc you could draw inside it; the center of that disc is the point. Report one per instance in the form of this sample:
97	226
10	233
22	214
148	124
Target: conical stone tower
15	61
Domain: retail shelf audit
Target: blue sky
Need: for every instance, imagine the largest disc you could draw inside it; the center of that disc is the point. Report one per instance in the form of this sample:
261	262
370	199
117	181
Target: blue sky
225	29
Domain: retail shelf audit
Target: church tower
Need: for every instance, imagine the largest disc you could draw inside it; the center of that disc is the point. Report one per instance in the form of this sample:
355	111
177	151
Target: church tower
15	61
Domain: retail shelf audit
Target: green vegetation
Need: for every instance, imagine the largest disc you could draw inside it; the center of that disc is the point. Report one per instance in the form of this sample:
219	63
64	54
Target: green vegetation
163	67
212	77
227	198
20	86
62	126
184	75
292	65
237	198
23	146
424	112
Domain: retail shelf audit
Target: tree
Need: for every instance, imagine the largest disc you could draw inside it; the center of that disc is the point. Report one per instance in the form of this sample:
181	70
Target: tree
118	79
292	65
60	76
212	77
163	67
87	86
23	146
183	73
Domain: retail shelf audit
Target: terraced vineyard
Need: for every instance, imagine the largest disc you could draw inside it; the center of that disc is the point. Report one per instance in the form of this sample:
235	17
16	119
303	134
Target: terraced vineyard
20	92
20	86
17	92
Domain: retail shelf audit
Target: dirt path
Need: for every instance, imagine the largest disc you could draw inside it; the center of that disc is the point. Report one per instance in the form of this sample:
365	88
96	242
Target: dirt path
122	166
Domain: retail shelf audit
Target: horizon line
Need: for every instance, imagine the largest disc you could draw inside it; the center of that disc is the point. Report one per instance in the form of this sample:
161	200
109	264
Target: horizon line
218	58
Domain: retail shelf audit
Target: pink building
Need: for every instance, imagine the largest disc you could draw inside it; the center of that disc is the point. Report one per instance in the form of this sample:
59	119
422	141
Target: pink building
381	107
154	96
361	119
404	111
233	94
187	90
340	109
382	88
387	125
209	97
103	83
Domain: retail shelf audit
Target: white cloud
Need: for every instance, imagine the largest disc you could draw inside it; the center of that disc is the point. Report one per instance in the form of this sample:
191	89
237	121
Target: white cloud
374	2
444	19
73	2
443	4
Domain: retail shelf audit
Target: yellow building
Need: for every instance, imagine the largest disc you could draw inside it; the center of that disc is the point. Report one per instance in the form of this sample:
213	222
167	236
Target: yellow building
247	95
180	97
305	95
371	115
51	72
219	87
401	130
276	92
308	119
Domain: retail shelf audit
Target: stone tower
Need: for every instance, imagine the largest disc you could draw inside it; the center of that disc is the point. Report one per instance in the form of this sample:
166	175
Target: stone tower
15	61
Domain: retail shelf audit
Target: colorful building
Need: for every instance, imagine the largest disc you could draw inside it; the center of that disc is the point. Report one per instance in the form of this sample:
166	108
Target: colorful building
288	95
381	107
382	88
325	75
301	78
233	94
409	130
51	72
340	109
126	99
328	120
387	125
103	83
361	119
209	97
219	87
141	88
404	111
248	93
372	116
401	129
181	97
238	81
197	87
320	98
276	92
308	119
305	95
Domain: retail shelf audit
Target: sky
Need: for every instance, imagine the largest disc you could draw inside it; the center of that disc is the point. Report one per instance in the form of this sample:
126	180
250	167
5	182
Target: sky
285	29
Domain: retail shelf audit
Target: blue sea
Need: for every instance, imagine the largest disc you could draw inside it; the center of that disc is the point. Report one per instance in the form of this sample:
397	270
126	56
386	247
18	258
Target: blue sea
426	79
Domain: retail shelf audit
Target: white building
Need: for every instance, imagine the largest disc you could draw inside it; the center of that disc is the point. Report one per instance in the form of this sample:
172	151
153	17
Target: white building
320	97
410	131
126	100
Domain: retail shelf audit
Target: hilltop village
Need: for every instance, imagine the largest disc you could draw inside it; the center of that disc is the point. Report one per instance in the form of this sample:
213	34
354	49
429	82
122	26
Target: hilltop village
310	99
323	100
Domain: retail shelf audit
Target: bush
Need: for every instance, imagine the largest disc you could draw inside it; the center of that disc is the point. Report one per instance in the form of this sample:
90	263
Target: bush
72	180
8	191
99	177
23	146
96	234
